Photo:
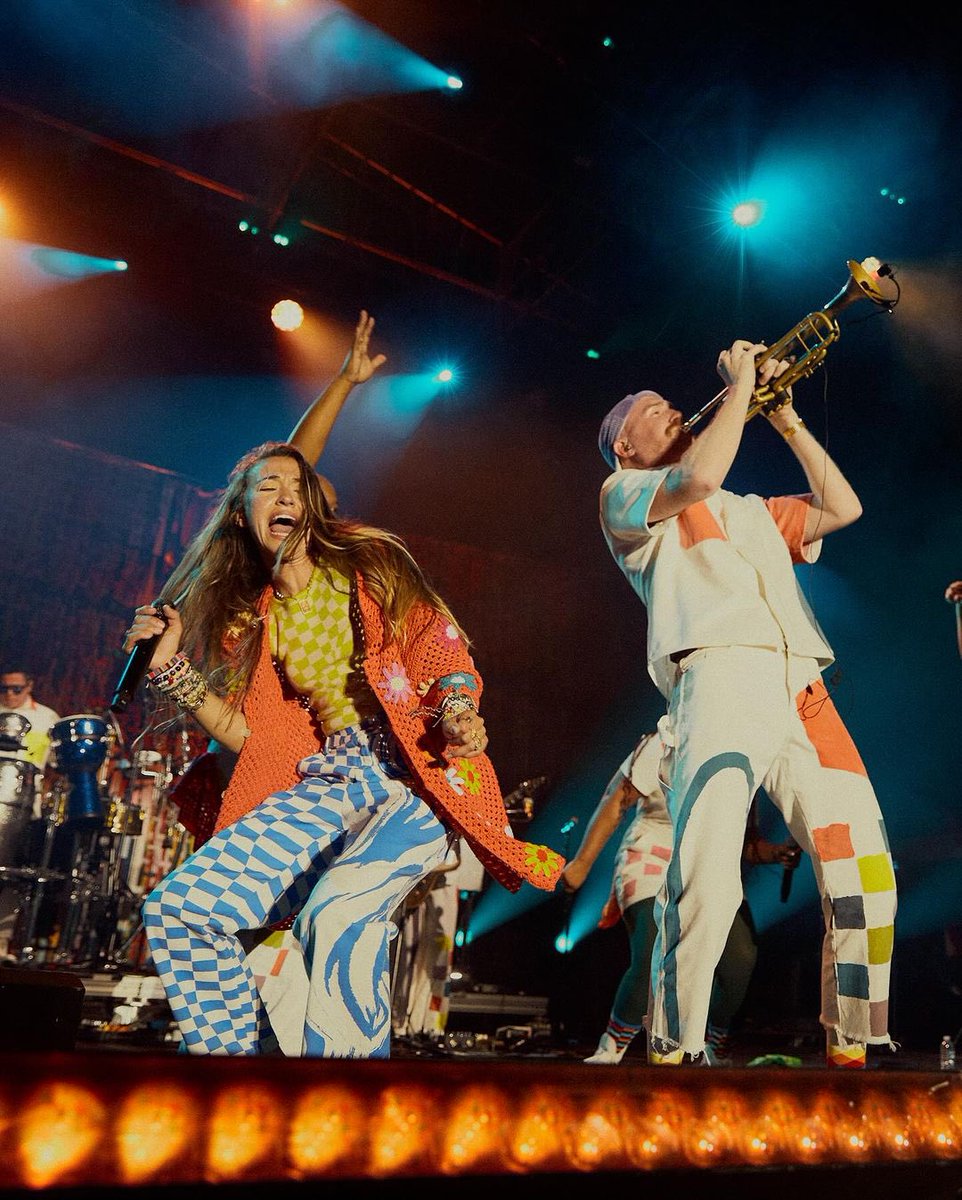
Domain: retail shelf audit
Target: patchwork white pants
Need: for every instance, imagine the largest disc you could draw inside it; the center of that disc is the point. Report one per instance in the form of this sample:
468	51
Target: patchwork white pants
739	718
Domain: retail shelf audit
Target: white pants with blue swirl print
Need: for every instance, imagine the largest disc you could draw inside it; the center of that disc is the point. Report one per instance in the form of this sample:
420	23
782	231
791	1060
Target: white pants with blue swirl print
344	846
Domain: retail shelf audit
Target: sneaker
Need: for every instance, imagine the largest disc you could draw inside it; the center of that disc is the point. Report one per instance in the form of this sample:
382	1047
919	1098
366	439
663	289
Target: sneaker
663	1054
608	1054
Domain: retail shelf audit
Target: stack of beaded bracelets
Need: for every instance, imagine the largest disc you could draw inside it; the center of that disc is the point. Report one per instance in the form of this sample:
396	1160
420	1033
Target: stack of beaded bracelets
180	681
454	704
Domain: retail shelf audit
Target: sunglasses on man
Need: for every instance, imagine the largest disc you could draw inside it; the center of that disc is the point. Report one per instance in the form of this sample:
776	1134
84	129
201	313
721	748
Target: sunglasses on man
16	688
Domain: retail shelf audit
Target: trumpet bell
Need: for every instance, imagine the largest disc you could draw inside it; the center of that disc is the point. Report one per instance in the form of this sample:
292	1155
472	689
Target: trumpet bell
863	282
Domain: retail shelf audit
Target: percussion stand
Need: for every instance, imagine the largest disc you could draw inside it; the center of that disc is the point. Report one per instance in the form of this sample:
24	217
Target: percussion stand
119	910
85	841
28	951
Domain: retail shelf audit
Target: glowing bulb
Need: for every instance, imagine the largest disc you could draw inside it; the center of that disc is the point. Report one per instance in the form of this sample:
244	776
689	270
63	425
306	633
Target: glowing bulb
748	213
287	315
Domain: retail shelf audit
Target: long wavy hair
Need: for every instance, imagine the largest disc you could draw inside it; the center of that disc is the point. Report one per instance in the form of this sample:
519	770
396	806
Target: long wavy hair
220	579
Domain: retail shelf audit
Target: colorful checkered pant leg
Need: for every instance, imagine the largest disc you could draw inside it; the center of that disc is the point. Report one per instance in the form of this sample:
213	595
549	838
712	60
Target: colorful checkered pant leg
740	718
348	842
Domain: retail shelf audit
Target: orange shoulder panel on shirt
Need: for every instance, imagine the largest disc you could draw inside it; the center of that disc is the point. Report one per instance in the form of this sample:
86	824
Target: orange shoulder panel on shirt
696	524
789	513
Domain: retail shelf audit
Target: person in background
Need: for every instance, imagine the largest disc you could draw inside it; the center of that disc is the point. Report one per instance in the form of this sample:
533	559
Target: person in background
640	864
733	648
426	945
315	649
953	594
25	726
953	930
16	696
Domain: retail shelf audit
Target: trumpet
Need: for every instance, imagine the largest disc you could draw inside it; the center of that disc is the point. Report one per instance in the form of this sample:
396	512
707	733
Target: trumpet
806	345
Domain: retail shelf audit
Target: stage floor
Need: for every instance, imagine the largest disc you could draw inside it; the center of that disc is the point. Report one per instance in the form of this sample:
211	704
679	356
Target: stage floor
492	1104
126	1010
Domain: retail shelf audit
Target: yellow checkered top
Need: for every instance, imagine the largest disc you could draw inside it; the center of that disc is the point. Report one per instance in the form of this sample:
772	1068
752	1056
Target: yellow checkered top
313	640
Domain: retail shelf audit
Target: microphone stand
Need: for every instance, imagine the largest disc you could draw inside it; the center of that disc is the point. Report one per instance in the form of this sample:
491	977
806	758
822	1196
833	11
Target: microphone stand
567	904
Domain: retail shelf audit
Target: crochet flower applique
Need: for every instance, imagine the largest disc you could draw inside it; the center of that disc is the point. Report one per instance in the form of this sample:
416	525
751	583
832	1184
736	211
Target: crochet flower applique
395	686
446	634
463	776
542	860
456	681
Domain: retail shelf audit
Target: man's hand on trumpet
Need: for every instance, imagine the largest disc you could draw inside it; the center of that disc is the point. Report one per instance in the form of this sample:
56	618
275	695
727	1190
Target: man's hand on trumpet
783	419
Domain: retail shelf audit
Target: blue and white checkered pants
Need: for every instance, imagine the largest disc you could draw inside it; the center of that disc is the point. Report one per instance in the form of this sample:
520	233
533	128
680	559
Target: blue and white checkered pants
345	845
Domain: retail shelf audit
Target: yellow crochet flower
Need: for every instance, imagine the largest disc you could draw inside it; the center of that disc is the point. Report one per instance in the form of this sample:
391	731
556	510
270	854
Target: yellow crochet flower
469	775
542	860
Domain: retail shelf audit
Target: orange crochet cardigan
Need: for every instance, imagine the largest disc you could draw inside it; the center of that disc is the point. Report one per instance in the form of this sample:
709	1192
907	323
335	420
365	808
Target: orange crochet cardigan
464	793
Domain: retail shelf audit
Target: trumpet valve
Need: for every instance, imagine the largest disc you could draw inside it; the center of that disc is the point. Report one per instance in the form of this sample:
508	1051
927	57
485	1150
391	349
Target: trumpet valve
771	405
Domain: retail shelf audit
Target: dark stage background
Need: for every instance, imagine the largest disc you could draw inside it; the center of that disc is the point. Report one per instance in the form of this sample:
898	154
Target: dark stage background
571	195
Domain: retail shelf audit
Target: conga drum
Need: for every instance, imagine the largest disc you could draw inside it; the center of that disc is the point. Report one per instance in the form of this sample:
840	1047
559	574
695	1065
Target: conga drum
17	791
14	727
80	745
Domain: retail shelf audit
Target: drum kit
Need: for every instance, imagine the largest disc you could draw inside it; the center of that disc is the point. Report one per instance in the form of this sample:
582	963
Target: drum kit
85	839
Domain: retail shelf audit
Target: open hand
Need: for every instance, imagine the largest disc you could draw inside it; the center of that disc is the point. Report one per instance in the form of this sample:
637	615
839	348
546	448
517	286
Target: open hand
359	366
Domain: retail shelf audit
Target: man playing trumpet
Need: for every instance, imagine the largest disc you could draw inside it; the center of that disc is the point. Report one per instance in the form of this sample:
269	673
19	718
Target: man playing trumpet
737	655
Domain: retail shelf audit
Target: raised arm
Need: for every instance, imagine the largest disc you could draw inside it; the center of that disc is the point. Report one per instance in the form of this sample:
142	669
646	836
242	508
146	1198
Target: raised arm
834	501
703	467
311	432
615	801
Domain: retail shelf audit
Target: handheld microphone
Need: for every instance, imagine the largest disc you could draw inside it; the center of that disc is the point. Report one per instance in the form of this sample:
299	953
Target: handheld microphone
136	666
788	872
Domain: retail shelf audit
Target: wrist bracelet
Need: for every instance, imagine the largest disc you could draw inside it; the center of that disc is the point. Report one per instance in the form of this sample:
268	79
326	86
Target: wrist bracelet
793	429
181	682
169	671
454	704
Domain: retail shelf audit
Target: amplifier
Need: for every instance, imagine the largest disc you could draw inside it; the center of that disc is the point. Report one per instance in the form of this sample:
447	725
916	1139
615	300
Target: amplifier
489	1012
493	1004
39	1009
490	1022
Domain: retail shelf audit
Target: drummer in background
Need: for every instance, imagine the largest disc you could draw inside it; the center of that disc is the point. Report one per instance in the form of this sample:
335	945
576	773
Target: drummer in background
16	696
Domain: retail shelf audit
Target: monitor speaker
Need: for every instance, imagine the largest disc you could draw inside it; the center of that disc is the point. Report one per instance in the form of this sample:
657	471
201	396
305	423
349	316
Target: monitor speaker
39	1009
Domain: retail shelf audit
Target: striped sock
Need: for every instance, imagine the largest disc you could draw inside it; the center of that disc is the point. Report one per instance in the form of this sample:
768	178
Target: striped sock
621	1033
718	1043
850	1056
